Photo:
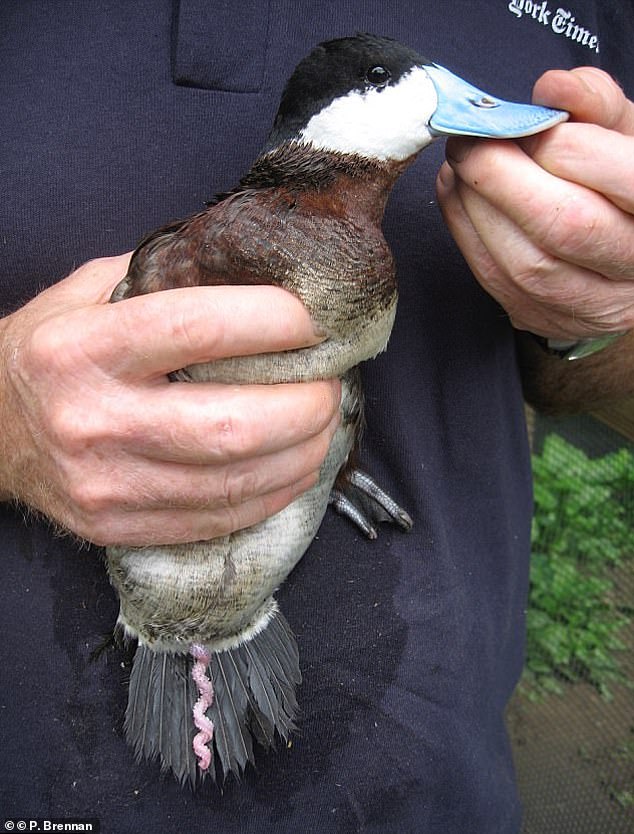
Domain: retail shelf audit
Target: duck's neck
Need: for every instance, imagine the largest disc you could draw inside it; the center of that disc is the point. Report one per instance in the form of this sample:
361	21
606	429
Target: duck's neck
349	183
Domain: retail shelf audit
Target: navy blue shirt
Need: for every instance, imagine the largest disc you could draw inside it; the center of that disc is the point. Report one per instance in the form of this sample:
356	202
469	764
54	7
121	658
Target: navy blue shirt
116	117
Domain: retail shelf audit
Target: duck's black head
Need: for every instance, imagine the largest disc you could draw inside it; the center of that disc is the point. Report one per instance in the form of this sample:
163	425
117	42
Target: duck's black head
374	97
336	69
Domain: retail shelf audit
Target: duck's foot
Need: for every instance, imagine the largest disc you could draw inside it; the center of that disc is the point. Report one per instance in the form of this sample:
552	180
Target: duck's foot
359	497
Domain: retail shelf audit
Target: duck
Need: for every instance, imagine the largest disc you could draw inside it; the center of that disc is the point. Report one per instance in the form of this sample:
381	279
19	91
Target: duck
216	668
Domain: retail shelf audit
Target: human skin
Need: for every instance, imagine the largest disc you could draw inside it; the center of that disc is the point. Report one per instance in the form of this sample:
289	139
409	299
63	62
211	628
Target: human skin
93	435
547	227
96	437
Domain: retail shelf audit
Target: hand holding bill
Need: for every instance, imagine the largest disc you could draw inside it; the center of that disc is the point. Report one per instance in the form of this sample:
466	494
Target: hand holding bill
546	223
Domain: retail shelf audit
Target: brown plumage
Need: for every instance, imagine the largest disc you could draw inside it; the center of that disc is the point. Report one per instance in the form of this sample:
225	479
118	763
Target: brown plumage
307	220
307	217
219	593
326	206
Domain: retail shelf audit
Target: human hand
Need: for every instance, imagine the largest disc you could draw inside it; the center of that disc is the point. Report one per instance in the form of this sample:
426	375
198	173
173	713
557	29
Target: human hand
94	435
547	223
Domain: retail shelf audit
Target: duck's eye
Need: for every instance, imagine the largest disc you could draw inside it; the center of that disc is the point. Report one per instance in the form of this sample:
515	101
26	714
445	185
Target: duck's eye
378	76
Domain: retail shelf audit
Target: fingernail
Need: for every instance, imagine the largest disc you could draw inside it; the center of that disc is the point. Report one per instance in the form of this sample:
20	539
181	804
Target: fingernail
458	149
583	77
445	178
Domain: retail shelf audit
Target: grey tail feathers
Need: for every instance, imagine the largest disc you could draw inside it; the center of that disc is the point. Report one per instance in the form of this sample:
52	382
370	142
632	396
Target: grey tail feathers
254	698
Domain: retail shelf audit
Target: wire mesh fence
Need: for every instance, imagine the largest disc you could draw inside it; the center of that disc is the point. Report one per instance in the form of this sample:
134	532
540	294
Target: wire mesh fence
572	720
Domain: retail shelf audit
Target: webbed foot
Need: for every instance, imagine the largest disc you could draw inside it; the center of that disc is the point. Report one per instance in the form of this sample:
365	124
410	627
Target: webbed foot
361	499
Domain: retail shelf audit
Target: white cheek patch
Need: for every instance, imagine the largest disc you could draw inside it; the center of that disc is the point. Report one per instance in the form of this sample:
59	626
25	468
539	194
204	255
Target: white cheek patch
383	124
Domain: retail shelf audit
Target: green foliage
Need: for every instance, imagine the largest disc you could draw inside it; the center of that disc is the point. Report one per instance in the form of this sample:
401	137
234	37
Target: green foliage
620	781
624	798
582	529
583	506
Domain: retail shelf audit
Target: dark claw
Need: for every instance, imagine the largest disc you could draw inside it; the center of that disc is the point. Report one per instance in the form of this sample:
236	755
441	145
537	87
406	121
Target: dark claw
362	500
115	639
344	506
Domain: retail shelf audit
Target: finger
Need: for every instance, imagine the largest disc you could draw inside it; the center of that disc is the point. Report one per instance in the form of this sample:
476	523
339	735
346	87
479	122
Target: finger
461	227
91	283
522	310
566	220
150	485
589	95
168	526
161	332
210	423
155	488
494	279
555	296
588	155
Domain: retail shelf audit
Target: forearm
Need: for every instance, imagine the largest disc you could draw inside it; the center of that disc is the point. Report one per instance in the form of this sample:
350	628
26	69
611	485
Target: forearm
556	386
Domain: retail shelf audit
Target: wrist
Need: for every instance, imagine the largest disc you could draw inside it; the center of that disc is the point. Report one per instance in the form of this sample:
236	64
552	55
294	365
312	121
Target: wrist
9	443
570	349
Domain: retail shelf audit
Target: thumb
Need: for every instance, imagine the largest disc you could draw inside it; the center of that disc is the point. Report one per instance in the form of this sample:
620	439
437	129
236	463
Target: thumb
91	283
589	95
